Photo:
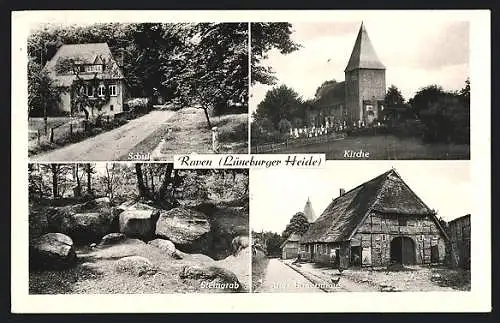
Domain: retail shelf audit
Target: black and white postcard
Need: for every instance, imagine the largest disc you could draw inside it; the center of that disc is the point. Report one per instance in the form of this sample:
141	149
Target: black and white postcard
251	161
136	91
375	88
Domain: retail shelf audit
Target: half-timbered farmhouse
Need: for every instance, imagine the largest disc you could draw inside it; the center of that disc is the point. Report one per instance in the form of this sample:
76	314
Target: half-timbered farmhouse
377	223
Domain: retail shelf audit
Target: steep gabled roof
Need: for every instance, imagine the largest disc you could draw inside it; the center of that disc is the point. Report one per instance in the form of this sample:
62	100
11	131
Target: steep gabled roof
294	237
386	193
309	211
83	54
363	54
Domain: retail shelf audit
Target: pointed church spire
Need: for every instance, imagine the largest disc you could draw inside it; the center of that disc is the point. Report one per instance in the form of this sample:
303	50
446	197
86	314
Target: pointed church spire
309	212
363	54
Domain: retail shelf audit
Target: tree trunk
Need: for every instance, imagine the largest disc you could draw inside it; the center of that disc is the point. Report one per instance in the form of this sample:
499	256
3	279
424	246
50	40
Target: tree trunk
152	180
78	183
77	191
55	170
85	111
143	193
45	119
166	180
109	180
208	118
89	179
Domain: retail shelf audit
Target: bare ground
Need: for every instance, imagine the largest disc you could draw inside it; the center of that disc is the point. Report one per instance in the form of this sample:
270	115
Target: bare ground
279	278
188	132
112	145
412	279
95	272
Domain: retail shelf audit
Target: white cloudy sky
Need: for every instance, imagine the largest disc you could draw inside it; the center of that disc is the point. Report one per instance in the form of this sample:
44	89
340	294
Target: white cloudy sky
417	50
279	193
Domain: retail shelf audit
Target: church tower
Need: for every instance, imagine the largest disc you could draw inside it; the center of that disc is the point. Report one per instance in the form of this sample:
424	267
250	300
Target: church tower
309	212
365	81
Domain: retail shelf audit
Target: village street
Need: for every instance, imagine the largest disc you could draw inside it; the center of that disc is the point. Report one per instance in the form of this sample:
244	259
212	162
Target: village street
111	145
323	279
280	279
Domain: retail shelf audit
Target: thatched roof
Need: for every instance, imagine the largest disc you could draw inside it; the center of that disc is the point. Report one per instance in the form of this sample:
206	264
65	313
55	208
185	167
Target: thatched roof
93	53
386	193
294	237
363	54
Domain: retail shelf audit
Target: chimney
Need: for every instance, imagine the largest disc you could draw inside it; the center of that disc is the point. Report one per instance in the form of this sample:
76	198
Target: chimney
342	192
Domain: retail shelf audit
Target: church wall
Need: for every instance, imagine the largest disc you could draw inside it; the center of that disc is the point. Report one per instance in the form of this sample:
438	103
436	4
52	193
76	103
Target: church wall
352	95
363	84
371	85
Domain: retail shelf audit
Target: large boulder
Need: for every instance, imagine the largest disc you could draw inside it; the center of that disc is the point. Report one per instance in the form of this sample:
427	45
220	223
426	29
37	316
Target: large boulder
112	238
52	251
188	229
215	278
99	204
135	266
139	221
85	222
89	226
167	246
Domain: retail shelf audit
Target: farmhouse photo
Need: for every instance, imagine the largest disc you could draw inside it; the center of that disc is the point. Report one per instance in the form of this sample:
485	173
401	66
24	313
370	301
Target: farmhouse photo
137	228
388	88
384	227
136	91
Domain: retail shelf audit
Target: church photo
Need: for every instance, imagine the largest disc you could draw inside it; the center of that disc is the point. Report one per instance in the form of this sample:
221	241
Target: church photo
367	89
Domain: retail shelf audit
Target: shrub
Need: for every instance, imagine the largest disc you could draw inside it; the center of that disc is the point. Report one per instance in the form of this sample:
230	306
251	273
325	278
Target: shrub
284	126
139	105
236	133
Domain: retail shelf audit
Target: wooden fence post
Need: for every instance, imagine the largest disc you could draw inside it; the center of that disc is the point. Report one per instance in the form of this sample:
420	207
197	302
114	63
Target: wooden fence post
215	139
71	129
38	135
52	135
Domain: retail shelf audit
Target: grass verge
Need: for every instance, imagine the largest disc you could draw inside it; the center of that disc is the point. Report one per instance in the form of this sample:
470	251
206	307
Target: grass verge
259	266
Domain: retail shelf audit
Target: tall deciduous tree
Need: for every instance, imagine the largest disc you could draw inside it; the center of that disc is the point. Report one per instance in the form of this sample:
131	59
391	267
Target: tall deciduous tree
43	93
279	103
394	96
298	224
267	36
425	96
212	71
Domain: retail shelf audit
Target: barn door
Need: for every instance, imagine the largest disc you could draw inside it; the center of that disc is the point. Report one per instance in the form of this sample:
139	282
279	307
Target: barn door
434	254
408	251
403	250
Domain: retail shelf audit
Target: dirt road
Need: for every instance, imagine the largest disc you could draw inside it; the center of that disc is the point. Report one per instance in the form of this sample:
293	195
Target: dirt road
110	145
282	279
